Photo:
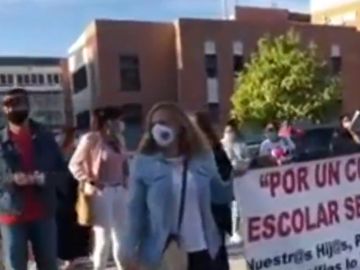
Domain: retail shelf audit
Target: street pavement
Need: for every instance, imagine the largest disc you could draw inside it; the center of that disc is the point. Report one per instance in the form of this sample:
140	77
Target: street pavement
236	260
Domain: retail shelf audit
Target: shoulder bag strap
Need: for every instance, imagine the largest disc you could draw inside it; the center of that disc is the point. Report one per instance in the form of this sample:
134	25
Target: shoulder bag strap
183	194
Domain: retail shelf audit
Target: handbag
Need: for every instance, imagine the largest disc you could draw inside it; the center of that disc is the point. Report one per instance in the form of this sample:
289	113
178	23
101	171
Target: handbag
83	206
174	257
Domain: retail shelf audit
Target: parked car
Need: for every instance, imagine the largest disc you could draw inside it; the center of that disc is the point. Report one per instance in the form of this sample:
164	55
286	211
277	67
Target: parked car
315	143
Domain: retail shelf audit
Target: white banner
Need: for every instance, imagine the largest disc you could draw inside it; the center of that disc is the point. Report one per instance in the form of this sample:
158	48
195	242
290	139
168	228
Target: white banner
304	216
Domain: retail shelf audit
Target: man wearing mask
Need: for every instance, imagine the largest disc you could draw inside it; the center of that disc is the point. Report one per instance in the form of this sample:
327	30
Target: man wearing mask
30	165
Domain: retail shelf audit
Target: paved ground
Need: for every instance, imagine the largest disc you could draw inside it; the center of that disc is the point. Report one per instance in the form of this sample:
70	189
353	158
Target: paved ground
237	262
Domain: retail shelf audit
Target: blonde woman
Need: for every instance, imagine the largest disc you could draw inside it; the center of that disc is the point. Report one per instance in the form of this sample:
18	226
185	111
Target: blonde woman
170	197
99	162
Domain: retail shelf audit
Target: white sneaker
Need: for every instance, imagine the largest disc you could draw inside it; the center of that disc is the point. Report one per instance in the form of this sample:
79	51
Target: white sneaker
236	239
31	265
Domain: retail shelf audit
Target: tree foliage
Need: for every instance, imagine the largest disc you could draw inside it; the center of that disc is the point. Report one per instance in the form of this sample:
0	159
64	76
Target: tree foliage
285	80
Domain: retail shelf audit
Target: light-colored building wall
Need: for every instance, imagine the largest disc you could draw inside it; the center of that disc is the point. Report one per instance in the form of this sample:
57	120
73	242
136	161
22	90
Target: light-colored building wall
44	84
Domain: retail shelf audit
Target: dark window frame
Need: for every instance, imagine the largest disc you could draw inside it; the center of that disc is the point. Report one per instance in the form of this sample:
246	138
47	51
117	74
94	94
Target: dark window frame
214	111
80	79
41	79
20	79
10	79
3	80
56	78
34	79
336	64
50	79
238	64
26	79
211	65
130	77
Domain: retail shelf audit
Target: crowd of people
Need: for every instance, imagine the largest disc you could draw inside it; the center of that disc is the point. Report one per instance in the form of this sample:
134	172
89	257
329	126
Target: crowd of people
170	206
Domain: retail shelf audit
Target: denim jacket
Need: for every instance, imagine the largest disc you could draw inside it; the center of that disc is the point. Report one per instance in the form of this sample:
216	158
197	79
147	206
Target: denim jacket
150	211
47	159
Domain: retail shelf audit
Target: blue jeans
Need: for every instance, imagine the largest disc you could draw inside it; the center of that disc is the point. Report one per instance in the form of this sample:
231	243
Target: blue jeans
42	236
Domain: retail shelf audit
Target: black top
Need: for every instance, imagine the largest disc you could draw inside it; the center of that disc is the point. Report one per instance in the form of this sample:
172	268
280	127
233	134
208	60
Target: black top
223	163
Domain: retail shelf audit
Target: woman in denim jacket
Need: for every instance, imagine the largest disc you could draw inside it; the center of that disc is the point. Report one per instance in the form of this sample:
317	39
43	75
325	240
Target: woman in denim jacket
170	142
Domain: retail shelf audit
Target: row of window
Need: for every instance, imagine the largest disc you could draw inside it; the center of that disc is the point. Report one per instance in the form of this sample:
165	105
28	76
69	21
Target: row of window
211	67
46	101
29	79
129	69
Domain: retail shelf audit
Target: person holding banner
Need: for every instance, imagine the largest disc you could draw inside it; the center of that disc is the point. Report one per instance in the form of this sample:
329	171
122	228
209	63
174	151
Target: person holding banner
275	150
345	140
222	211
170	223
238	154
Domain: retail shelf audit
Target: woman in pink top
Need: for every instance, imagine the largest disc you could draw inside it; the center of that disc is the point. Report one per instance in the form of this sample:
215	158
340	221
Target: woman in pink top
100	163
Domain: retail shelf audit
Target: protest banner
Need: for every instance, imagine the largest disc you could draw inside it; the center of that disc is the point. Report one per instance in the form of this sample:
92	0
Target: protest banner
303	216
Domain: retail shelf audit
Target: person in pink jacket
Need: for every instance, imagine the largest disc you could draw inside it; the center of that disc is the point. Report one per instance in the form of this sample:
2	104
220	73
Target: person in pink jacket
100	163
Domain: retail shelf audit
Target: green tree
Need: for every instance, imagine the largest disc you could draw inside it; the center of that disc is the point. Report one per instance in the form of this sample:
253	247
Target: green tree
285	80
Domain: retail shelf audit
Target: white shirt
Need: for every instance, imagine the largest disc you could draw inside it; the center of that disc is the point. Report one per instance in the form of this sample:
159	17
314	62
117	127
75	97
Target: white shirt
238	154
268	146
191	235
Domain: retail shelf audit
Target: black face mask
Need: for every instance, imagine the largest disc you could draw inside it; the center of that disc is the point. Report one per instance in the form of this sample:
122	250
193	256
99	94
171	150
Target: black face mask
17	117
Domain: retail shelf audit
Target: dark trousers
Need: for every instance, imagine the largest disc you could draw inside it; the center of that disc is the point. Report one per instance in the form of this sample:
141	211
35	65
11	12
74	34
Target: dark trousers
73	240
200	260
222	259
222	216
42	236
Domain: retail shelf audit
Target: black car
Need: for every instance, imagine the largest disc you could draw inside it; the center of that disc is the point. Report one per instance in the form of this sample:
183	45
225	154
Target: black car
315	143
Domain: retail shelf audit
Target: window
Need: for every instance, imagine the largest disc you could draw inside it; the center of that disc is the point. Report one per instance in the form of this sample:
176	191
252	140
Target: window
214	111
26	79
336	64
34	80
80	79
130	73
10	79
50	79
211	65
3	80
19	79
41	79
238	64
56	78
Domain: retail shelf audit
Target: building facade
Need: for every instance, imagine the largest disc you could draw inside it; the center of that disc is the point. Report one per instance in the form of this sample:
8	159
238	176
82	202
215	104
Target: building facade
43	78
193	62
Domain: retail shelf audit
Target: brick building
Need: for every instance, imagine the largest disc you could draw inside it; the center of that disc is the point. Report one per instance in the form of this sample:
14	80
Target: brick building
191	61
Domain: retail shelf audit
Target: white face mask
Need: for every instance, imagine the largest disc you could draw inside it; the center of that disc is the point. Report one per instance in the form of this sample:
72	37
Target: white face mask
163	135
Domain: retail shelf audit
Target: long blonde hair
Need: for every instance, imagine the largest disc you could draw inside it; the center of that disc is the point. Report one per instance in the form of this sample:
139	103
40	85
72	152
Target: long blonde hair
191	140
